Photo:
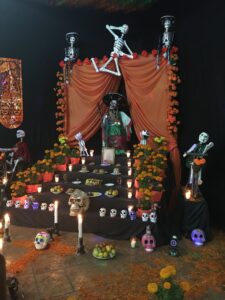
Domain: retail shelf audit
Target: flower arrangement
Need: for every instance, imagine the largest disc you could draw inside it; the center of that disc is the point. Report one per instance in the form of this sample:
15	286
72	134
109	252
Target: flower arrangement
48	166
60	103
18	189
168	288
74	152
29	176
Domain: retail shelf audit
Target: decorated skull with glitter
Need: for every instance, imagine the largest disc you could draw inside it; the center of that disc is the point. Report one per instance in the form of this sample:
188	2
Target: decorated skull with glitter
41	240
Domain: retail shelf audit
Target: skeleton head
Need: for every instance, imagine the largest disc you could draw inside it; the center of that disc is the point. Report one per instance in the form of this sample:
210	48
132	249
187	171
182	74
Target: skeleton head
198	237
20	134
17	204
145	217
35	205
113	104
148	240
44	206
79	202
203	137
41	240
102	212
26	204
9	203
113	213
51	207
78	136
123	214
133	215
153	216
144	134
124	29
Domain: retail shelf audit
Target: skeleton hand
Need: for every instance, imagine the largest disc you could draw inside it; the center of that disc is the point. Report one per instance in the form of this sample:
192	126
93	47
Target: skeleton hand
185	154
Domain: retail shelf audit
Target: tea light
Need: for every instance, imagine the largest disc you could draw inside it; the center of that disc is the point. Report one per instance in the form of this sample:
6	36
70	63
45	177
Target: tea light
92	153
129	163
128	153
83	160
187	194
39	188
4	180
56	178
129	172
130	207
129	183
70	167
133	242
129	194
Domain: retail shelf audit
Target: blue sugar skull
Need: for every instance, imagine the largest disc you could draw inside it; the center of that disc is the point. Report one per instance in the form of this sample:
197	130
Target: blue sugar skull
198	237
133	215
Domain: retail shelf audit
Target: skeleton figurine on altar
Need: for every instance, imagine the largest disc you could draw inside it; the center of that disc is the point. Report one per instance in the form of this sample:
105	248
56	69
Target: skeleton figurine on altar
198	150
144	137
82	146
119	43
71	52
166	39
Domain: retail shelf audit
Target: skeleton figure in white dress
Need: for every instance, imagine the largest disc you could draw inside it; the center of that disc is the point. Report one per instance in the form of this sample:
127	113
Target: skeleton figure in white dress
82	146
119	43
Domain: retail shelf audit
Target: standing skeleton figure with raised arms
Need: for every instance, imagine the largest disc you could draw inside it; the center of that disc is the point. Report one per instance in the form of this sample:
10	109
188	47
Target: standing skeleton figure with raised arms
119	43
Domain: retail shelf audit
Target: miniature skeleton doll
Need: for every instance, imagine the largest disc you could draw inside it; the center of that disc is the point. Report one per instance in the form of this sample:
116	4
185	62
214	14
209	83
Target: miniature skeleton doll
166	39
119	43
198	150
79	202
144	134
82	146
72	50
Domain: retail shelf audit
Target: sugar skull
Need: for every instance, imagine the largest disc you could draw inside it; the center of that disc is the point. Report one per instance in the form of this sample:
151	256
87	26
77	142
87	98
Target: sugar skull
41	240
148	241
17	204
144	217
102	212
133	215
51	207
26	204
35	205
113	213
44	206
123	214
9	203
198	237
153	216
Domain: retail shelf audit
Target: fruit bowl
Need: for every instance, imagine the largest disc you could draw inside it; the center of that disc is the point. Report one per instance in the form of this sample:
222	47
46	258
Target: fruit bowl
56	189
104	251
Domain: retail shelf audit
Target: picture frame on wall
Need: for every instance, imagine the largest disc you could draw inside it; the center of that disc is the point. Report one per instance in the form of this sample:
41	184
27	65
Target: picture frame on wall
108	156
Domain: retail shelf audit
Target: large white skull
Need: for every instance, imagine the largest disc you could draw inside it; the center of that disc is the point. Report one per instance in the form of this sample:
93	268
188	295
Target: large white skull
9	203
123	214
41	240
20	134
153	216
203	137
79	202
102	212
144	217
44	206
113	213
51	207
17	204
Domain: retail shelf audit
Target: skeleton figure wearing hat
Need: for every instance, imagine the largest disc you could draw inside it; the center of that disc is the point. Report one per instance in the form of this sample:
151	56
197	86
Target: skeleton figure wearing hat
116	125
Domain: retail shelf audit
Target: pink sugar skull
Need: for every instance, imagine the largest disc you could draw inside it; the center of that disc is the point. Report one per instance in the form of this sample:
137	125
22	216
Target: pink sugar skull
148	240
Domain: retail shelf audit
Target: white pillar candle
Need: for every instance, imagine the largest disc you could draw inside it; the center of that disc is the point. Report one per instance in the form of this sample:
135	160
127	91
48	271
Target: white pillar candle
129	172
80	221
129	194
4	180
128	153
1	244
129	183
39	188
133	242
56	178
92	152
83	160
7	221
56	204
70	167
129	163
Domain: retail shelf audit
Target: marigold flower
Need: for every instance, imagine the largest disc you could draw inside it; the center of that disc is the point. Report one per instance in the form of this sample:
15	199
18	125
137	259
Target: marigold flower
152	287
167	285
165	273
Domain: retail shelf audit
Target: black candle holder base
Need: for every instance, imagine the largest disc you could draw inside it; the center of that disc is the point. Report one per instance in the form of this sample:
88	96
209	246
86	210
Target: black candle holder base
80	248
6	235
56	229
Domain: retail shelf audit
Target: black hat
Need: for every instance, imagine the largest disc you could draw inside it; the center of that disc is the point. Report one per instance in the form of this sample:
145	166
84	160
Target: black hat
113	96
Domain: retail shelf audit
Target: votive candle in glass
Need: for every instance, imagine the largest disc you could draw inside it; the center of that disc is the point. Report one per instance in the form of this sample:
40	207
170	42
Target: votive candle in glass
129	172
56	178
128	153
39	188
129	194
83	160
129	183
92	153
129	163
70	167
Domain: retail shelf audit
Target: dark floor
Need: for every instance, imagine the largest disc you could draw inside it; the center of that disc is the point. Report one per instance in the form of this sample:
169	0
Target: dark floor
57	273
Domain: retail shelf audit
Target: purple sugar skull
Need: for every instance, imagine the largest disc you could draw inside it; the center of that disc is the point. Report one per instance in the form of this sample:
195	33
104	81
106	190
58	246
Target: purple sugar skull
26	204
148	240
133	215
198	237
35	205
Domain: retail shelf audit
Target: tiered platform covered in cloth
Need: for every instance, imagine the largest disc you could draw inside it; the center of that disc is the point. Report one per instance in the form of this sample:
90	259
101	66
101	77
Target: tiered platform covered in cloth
169	222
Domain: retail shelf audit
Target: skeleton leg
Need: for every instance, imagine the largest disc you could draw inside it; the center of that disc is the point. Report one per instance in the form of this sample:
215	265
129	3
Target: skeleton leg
200	177
94	64
104	69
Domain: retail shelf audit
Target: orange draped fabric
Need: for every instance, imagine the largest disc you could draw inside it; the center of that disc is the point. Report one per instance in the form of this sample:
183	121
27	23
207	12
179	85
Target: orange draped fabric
84	96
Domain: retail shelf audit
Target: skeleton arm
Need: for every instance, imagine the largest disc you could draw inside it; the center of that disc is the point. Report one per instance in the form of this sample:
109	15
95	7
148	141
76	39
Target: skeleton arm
207	147
109	28
129	50
190	150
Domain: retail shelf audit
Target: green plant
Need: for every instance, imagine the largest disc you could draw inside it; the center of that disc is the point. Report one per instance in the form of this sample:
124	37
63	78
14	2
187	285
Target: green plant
74	152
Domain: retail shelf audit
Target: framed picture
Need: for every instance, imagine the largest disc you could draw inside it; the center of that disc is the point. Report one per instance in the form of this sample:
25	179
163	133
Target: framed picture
108	155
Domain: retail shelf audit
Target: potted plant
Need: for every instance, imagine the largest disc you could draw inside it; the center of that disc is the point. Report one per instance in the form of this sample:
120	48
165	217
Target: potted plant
31	178
74	155
48	170
18	191
59	157
143	205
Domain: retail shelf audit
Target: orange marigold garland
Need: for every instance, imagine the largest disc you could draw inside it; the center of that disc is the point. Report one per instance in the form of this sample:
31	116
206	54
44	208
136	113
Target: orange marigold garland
174	80
60	103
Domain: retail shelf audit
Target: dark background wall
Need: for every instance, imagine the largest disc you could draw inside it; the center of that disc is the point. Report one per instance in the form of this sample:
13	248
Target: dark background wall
36	34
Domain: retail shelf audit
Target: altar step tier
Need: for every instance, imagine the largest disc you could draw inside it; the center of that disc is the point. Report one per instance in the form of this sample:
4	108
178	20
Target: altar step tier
114	228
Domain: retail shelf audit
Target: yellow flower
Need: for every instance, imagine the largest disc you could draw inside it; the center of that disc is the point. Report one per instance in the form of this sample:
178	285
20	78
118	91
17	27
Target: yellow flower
152	287
167	285
165	273
171	269
185	286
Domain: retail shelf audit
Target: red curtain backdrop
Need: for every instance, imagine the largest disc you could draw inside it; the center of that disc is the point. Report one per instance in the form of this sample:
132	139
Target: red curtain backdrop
147	93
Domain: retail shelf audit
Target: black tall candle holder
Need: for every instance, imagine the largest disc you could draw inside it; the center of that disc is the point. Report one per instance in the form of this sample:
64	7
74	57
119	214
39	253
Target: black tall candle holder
80	246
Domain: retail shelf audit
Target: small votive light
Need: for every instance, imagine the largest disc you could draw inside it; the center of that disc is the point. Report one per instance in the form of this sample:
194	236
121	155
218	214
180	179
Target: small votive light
92	153
1	243
129	163
39	188
128	153
130	207
187	194
70	167
4	180
56	178
83	160
129	194
133	242
129	172
129	183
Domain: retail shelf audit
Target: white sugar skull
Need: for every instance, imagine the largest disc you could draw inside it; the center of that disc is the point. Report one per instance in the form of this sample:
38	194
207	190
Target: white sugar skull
203	137
44	206
9	203
113	213
123	214
144	217
41	240
26	204
17	204
153	216
51	207
102	212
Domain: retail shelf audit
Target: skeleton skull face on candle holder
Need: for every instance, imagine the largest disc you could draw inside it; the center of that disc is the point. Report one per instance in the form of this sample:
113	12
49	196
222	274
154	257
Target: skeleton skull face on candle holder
123	214
44	206
203	137
26	204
